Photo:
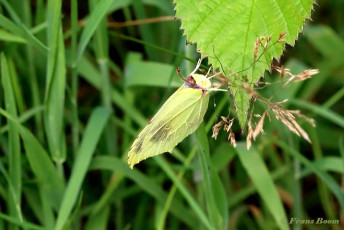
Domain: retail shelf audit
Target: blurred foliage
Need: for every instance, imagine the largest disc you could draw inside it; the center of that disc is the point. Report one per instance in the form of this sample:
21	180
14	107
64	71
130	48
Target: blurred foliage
75	92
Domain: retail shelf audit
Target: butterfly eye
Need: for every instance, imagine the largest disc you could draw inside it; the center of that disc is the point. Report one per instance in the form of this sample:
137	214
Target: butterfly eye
191	81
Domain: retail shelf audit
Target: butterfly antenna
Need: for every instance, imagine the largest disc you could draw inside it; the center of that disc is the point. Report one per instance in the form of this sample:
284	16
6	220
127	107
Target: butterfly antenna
208	71
178	72
197	66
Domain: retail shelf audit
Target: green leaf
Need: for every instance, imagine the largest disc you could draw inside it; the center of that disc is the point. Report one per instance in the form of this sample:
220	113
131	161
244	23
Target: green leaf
226	31
262	180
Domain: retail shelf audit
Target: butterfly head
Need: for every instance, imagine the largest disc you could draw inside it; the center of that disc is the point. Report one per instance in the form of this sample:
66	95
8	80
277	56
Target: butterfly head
201	80
196	81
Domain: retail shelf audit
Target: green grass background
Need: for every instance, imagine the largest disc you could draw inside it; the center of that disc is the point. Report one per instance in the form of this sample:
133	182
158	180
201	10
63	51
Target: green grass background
74	97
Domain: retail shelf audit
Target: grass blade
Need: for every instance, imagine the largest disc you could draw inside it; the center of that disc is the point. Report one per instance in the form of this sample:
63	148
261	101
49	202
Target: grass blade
90	139
9	37
214	190
145	30
41	165
13	139
74	76
22	32
146	183
330	163
184	191
331	183
162	218
261	178
25	225
92	75
55	83
24	117
331	116
55	106
91	25
334	99
100	220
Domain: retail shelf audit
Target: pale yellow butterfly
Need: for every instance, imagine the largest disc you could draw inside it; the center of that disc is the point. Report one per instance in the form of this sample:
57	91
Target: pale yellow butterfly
178	117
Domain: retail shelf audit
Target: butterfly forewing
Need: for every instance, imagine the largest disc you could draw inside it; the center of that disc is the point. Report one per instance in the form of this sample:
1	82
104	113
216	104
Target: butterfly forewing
180	116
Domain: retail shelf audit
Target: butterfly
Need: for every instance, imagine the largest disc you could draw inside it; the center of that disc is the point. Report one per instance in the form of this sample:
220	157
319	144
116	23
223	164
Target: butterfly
178	117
